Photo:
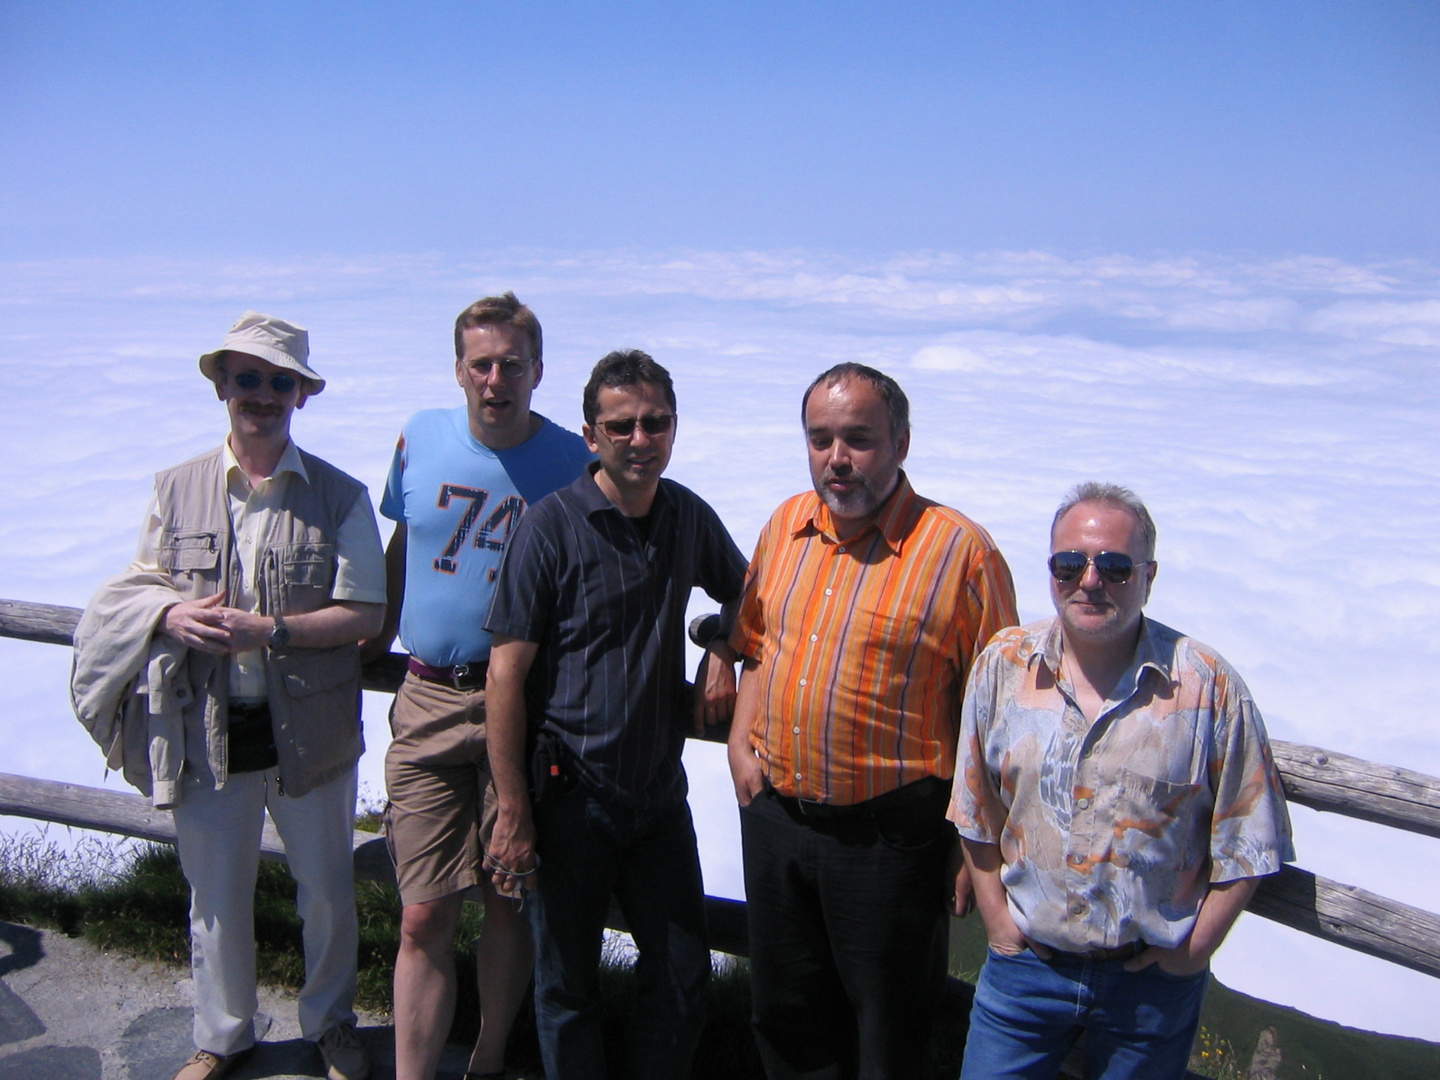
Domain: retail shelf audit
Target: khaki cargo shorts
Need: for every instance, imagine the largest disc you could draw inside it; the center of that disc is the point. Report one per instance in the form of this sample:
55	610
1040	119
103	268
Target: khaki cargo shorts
442	805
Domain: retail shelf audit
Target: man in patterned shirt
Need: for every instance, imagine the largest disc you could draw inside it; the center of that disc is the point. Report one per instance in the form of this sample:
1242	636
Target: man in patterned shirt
1118	806
864	606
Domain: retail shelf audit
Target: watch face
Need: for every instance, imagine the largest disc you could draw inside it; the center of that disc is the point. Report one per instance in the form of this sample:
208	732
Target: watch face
280	636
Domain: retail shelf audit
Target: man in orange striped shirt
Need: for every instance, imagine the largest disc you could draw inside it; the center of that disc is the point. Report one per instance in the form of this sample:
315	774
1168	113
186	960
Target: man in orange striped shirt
864	607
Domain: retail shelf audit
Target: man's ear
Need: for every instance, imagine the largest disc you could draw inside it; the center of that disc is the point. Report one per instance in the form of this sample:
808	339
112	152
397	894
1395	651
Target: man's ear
588	434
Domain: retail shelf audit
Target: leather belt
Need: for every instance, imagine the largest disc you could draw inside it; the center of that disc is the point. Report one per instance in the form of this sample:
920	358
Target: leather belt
469	676
918	792
1122	952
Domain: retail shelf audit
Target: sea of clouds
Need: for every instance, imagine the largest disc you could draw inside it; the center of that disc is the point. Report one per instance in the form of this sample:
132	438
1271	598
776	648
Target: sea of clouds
1279	417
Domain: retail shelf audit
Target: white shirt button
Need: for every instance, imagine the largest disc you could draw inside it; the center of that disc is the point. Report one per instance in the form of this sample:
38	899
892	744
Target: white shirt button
796	730
1083	804
797	776
1077	858
802	682
842	549
829	592
814	637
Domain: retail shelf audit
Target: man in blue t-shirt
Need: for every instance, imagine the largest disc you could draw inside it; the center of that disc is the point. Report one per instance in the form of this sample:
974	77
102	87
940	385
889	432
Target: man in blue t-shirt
460	480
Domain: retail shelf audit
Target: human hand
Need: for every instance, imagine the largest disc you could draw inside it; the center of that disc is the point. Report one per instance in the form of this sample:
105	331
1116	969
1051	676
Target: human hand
714	691
247	630
1007	939
745	771
510	855
1181	960
199	624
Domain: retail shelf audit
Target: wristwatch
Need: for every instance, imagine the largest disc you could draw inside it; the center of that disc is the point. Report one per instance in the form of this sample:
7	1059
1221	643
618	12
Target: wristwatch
280	636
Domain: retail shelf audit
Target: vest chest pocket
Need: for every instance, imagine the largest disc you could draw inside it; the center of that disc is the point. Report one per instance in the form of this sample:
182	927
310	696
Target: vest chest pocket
189	552
304	574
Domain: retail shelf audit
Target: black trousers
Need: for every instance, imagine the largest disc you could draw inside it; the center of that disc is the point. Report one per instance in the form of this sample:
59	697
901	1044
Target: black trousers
848	933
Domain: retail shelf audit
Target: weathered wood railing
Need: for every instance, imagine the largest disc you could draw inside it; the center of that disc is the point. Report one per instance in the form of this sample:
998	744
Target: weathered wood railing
1320	779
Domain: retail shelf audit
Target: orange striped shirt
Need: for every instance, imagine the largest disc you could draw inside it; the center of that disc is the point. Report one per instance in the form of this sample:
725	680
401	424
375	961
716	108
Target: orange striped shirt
864	646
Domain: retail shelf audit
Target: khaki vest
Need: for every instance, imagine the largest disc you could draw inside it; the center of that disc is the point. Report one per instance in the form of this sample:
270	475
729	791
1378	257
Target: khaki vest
314	694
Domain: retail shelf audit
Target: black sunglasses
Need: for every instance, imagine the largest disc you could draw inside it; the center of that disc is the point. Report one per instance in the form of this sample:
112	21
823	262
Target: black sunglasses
251	380
625	429
1112	566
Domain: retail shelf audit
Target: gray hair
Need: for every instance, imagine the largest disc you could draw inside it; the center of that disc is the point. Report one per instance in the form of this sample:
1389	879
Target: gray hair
1114	495
897	405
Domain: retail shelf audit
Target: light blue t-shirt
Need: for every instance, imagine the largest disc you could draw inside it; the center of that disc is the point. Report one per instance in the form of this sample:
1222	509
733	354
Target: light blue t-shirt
459	501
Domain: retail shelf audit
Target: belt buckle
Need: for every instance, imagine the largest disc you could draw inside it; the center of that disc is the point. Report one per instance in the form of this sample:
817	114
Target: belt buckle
461	674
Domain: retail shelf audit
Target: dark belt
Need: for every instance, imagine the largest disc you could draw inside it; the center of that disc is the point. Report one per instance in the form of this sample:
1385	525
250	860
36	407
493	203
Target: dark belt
918	792
1122	952
469	676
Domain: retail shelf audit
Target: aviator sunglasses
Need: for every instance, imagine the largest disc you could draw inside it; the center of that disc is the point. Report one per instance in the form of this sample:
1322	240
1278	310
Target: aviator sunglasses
251	380
1112	566
625	429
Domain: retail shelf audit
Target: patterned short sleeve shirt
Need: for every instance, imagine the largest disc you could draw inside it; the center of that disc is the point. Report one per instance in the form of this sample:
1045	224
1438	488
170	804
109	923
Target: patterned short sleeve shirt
1111	832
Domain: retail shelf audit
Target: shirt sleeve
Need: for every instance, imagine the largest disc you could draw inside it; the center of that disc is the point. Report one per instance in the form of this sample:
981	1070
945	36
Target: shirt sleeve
359	558
977	806
1250	833
749	629
392	502
147	558
989	603
525	587
722	565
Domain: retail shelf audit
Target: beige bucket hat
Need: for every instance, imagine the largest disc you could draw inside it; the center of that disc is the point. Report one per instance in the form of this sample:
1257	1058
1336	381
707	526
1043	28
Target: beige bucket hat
281	343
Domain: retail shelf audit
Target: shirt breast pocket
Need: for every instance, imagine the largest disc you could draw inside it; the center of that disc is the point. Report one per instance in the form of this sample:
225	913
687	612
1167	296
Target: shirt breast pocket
887	645
1156	816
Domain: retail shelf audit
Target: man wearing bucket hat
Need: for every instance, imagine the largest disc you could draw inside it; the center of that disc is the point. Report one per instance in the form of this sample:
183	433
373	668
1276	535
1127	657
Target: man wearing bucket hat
264	562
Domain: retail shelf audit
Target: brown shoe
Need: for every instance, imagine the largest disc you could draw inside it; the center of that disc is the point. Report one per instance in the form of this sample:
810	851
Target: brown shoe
203	1065
345	1058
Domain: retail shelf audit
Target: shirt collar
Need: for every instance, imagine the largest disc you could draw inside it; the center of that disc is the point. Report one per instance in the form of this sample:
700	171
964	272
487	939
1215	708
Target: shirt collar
593	500
893	522
1153	651
290	461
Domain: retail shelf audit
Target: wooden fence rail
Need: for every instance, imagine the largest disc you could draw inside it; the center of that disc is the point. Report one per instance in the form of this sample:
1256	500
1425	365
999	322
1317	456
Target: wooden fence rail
1320	779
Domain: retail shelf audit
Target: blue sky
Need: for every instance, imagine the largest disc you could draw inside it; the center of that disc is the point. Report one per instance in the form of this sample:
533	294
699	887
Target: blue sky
299	128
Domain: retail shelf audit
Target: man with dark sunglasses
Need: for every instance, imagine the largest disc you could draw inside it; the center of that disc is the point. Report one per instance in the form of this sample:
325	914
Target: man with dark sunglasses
460	480
259	570
1117	804
588	658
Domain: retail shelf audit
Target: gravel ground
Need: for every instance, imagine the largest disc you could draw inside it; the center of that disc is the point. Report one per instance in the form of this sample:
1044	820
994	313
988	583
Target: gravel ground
71	1012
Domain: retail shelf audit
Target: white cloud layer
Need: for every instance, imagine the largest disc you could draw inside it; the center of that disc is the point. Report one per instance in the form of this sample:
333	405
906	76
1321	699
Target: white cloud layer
1279	417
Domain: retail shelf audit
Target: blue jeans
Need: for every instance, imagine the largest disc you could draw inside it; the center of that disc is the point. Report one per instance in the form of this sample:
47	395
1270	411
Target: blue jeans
590	849
1028	1012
